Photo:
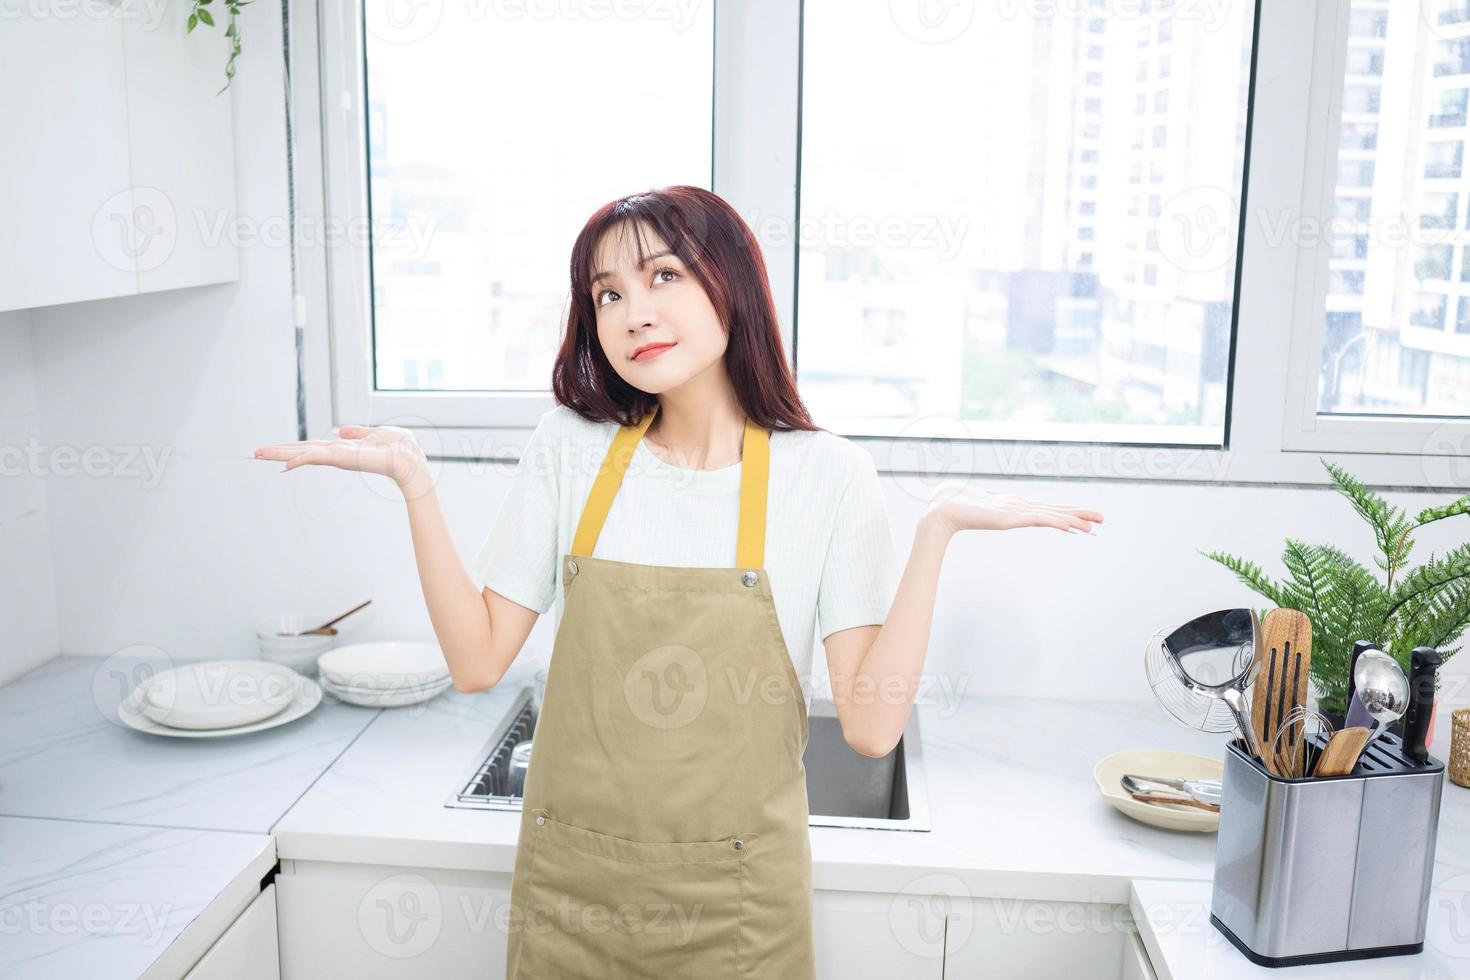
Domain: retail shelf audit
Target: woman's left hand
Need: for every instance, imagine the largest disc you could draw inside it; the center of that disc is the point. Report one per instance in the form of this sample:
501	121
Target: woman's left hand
960	509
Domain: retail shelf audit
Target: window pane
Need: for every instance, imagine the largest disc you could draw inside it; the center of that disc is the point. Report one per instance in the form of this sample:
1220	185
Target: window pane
493	133
1025	222
1397	337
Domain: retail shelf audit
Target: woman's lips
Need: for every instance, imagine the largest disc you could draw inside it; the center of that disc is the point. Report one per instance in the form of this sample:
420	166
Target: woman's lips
650	353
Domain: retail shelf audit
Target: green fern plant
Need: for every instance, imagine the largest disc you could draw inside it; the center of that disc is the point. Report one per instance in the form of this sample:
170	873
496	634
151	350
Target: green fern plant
1425	606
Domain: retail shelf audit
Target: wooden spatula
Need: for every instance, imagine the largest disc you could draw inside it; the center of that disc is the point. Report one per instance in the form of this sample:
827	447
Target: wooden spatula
1340	756
1281	684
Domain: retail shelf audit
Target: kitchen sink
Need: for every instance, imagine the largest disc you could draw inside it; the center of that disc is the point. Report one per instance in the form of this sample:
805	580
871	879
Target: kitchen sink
844	788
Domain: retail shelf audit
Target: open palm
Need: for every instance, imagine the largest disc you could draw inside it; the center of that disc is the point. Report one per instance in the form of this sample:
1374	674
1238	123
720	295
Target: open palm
986	510
385	449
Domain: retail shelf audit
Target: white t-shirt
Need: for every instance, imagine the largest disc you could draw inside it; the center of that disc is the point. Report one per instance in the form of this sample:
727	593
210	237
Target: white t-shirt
829	550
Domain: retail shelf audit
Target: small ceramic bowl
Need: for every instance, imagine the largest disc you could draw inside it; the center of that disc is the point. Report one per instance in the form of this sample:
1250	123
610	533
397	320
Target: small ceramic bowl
300	653
1108	775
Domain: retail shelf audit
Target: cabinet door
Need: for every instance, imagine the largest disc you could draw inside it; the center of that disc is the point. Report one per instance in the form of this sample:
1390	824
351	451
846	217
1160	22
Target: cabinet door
65	180
396	925
247	950
861	934
183	150
1136	964
1030	940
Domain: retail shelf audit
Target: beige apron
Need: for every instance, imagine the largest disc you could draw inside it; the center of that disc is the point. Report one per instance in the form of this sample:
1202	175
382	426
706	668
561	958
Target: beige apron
664	833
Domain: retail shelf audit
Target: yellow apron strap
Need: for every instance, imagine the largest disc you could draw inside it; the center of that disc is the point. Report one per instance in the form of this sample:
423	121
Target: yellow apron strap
754	474
750	547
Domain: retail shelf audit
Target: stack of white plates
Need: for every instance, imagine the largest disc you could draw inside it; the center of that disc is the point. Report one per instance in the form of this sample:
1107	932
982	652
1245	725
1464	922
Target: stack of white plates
218	697
388	674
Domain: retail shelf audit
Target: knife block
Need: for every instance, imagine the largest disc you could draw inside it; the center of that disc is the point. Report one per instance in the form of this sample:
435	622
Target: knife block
1320	870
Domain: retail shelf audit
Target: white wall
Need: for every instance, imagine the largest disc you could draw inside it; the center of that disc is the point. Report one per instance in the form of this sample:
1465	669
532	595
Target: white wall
186	562
28	600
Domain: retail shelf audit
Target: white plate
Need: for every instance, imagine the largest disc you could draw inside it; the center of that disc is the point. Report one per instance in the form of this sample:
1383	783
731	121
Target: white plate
306	697
437	685
383	699
1108	774
390	665
218	694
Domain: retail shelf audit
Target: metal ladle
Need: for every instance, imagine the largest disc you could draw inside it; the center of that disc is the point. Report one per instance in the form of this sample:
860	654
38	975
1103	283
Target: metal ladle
1218	655
1383	689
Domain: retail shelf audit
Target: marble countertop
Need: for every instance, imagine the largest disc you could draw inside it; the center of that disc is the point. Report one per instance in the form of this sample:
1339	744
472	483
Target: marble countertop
64	754
97	900
1013	808
181	830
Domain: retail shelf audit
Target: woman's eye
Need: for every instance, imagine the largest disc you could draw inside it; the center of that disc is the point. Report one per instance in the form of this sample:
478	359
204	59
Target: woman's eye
669	271
597	300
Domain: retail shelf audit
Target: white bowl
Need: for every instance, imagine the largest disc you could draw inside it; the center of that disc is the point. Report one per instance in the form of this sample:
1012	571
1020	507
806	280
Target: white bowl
388	665
300	653
217	694
383	699
1108	775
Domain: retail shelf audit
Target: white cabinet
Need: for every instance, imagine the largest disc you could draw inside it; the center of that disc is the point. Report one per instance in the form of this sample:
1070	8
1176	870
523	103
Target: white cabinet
372	922
861	934
1032	940
1136	964
248	949
117	175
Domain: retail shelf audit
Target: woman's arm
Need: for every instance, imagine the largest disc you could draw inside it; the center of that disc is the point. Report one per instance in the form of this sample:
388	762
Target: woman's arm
876	670
480	632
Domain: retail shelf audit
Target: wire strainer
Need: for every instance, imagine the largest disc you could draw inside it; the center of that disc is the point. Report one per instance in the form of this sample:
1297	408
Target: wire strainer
1186	706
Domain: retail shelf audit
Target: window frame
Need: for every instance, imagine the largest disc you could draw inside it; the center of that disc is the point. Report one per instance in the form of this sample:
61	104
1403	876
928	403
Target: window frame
756	159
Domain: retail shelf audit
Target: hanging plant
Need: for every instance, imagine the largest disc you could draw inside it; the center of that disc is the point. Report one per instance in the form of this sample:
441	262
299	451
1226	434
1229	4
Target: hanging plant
200	14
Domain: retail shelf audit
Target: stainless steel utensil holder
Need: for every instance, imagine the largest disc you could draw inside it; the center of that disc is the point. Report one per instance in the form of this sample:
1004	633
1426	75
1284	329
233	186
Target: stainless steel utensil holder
1319	870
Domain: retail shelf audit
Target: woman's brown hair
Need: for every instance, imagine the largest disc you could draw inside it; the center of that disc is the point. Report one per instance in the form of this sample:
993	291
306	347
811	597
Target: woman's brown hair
719	249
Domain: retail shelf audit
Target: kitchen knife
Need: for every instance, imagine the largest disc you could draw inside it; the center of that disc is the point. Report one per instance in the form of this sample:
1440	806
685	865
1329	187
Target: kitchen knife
1424	663
1356	712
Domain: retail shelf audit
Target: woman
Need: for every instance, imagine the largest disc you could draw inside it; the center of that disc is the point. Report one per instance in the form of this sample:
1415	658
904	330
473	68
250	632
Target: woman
664	828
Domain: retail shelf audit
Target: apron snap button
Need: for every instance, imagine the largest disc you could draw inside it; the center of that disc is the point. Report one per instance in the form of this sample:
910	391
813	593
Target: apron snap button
540	820
737	843
572	567
749	578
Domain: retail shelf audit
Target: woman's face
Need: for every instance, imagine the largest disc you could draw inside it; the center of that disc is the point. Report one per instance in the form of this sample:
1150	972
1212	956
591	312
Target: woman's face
656	324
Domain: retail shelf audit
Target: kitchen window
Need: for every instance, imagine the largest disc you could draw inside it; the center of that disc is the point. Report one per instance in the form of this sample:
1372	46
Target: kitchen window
952	240
1391	352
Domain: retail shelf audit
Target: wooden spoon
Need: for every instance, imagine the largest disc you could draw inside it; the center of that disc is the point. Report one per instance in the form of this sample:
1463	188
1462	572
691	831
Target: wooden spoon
1340	757
327	626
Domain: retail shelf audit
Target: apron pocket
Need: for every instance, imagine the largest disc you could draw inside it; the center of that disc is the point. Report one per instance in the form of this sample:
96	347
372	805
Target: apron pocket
601	906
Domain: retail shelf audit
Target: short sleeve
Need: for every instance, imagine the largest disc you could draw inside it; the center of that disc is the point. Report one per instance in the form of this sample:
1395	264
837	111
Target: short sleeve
518	558
860	574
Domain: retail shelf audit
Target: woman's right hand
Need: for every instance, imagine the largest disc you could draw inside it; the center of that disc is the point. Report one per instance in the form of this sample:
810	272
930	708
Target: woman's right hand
384	449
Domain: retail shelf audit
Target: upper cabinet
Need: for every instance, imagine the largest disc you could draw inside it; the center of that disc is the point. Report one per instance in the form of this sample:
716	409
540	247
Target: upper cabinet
117	163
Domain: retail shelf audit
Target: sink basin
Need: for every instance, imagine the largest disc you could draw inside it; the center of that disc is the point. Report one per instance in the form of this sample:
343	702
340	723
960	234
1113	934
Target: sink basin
844	788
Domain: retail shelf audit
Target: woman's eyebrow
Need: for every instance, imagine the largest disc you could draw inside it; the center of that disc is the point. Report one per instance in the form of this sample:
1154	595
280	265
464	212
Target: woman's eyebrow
651	258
